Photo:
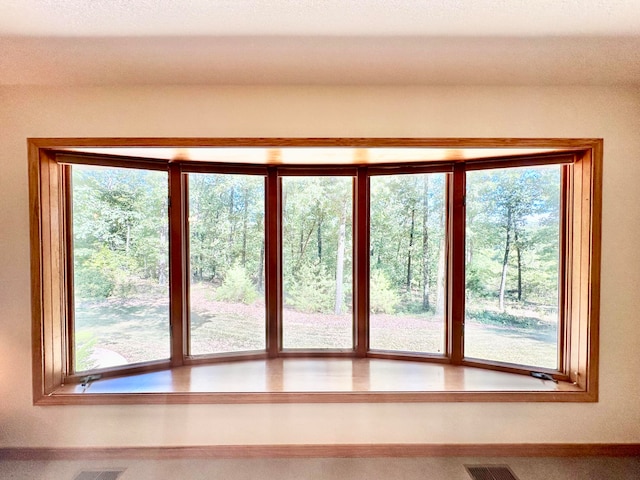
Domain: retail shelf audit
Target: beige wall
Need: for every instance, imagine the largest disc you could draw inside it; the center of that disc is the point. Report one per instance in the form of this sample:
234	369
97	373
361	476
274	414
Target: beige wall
611	113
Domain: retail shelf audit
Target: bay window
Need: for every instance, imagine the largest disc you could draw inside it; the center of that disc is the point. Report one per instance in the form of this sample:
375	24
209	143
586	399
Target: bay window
152	255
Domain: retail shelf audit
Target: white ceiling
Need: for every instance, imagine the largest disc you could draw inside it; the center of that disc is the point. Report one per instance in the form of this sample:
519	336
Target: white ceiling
106	42
319	17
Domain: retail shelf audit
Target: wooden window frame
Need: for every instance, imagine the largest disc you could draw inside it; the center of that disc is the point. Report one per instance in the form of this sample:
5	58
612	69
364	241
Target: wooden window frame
580	269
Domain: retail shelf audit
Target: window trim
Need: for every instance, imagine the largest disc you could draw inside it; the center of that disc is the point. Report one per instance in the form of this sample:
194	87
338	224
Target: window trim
48	223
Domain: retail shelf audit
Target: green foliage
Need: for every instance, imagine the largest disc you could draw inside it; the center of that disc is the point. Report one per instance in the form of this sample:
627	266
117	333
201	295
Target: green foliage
226	225
104	273
407	232
317	243
482	277
312	290
383	299
119	230
312	215
96	276
237	287
509	212
120	236
85	343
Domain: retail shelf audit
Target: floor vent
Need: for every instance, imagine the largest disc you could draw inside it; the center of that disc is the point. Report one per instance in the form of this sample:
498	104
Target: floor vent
98	475
490	472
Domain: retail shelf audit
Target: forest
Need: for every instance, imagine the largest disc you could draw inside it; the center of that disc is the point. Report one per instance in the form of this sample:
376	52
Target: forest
120	260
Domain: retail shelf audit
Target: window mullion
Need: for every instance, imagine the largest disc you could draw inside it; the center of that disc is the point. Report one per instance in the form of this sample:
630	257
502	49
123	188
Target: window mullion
361	261
178	290
456	269
273	263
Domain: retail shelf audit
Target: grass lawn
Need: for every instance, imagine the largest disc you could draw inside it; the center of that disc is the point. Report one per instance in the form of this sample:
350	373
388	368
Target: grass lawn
122	331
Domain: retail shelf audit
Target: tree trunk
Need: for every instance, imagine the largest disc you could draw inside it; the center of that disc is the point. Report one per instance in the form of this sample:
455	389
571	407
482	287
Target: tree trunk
440	277
128	240
163	269
319	238
304	243
340	259
516	243
261	267
245	214
301	243
505	261
409	250
231	227
440	293
425	245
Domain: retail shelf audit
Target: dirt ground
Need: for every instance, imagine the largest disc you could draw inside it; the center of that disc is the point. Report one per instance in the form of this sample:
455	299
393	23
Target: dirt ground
137	330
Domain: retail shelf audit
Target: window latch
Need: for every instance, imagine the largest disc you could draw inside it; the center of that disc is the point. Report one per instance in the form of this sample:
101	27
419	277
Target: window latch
543	376
88	380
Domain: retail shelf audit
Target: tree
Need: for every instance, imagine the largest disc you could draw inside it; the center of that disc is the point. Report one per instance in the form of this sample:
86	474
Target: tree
425	243
340	257
120	229
226	226
317	236
407	233
505	207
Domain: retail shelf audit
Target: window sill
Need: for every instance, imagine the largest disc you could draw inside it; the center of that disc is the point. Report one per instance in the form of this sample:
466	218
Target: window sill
317	381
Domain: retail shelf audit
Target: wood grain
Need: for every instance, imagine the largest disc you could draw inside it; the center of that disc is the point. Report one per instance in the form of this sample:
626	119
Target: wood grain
361	276
38	320
178	264
273	261
355	142
317	380
388	450
456	285
595	229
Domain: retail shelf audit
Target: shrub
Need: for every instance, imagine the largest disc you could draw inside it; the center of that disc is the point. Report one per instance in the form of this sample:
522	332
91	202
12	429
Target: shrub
382	298
96	275
237	287
103	273
312	290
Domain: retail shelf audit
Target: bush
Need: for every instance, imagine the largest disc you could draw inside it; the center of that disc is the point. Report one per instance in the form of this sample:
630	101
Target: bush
312	290
382	298
103	273
237	287
96	275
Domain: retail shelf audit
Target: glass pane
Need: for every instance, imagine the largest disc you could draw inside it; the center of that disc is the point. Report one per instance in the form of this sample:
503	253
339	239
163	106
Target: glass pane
226	254
317	262
512	265
407	248
120	259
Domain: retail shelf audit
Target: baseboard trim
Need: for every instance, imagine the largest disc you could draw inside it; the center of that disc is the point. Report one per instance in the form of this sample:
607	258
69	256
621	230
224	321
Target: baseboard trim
315	451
